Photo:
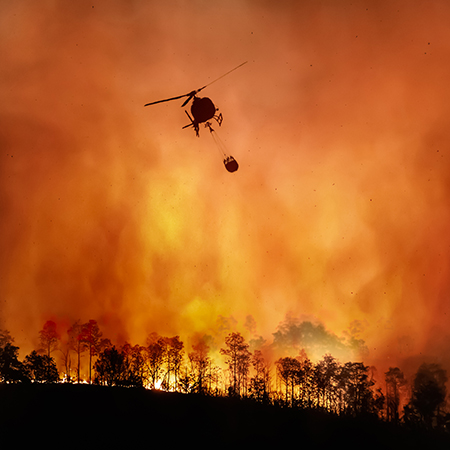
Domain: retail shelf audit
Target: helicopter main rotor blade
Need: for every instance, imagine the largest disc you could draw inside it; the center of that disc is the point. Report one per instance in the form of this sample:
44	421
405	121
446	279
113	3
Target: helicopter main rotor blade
193	93
190	94
224	75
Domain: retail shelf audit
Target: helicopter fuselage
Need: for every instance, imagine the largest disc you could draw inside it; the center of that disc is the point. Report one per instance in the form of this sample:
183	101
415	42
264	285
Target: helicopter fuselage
202	109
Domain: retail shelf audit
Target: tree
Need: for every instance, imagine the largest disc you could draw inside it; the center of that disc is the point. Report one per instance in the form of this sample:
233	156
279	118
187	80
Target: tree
67	361
110	367
90	337
428	394
305	380
358	397
237	357
156	350
260	383
76	344
326	374
49	337
199	363
288	370
11	369
174	357
395	383
134	361
5	338
41	368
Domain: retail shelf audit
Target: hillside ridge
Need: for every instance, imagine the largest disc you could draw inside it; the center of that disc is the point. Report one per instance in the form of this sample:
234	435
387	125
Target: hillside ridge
115	416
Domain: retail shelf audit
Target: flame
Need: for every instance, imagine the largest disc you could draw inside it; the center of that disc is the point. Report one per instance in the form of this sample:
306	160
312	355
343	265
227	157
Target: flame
337	215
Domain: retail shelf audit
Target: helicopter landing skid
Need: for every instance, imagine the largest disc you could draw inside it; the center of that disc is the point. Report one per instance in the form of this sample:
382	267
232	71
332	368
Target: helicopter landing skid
218	118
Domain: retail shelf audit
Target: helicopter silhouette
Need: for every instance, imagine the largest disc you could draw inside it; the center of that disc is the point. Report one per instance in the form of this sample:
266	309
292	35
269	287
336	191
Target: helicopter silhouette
203	110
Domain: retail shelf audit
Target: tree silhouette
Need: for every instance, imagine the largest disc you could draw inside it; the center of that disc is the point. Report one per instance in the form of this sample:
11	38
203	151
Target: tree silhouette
156	350
199	363
326	374
5	338
358	396
395	383
288	370
173	359
237	357
67	361
76	344
49	337
41	368
110	367
260	383
305	380
11	369
428	395
90	337
327	385
134	365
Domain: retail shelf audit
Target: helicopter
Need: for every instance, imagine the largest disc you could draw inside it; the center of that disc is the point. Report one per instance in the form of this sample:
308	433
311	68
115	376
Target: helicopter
203	110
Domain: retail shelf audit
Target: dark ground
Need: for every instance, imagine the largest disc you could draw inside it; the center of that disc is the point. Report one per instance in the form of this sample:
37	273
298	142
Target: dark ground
83	416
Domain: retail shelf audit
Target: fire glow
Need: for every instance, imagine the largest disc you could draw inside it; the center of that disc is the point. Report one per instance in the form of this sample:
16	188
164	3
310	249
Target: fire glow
338	214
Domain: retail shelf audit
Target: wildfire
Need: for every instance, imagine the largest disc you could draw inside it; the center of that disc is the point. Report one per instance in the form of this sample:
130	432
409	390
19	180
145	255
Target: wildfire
337	217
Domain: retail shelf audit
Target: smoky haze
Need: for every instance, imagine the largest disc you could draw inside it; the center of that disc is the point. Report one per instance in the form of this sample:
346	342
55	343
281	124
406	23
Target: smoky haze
339	211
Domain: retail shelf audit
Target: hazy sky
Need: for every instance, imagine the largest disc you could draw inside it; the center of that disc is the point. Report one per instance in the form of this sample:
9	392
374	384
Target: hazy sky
338	214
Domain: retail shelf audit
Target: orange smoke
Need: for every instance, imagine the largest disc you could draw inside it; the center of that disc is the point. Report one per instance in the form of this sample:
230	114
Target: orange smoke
338	213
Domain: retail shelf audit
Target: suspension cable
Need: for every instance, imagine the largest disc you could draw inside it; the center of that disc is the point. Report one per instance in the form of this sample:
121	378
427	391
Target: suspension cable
220	145
230	163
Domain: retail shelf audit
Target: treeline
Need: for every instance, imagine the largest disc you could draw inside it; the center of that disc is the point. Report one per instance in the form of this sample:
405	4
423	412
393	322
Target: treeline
163	363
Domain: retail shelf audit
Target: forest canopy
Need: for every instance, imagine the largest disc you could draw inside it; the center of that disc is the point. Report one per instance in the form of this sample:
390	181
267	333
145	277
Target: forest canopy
84	355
